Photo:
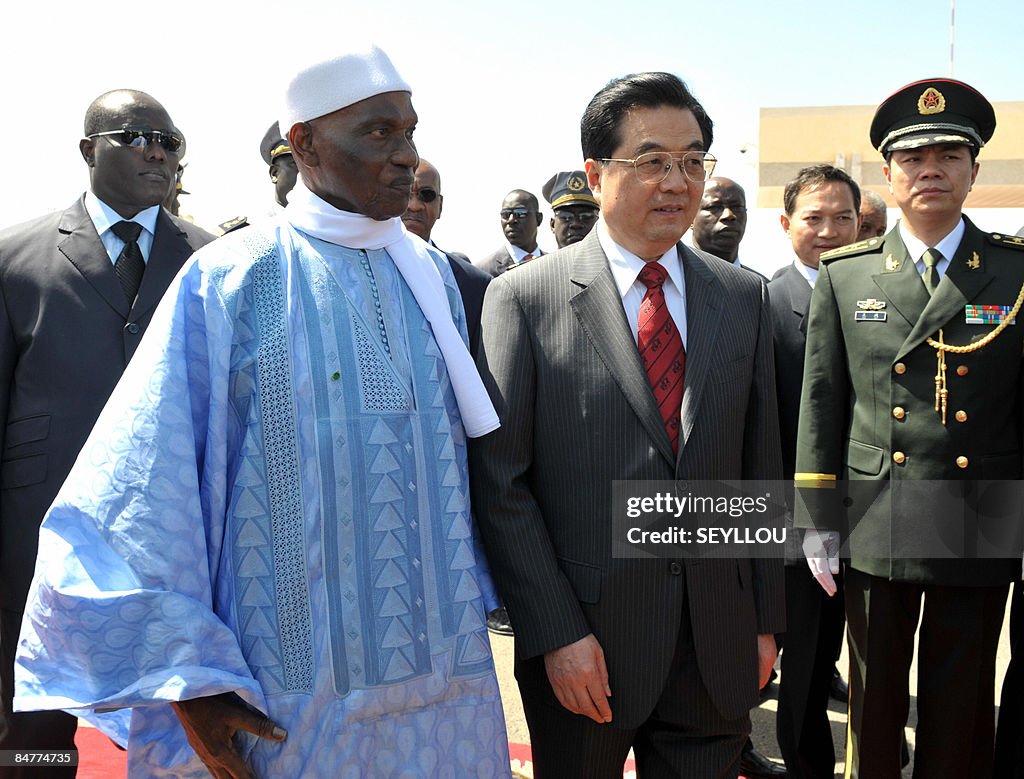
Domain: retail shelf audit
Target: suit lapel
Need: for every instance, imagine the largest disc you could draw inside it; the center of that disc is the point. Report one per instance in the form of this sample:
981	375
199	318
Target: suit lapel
958	286
169	252
799	297
598	307
84	249
703	310
903	287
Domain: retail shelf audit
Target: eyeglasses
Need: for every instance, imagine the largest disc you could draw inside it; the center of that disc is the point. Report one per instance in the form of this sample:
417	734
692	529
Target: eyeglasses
521	212
425	195
139	138
584	217
654	166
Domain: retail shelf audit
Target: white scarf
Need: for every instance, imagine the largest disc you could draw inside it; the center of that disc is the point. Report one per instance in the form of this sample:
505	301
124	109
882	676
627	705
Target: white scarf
313	215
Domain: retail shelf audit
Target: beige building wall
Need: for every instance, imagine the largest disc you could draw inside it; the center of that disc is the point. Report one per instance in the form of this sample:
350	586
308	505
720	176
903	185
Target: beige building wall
791	138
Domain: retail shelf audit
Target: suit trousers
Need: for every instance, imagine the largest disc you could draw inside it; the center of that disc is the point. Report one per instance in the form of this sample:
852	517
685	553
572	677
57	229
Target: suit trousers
1010	734
956	663
33	729
814	636
685	735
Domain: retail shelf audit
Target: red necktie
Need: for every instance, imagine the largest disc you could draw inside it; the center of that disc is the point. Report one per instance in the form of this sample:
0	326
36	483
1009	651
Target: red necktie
661	349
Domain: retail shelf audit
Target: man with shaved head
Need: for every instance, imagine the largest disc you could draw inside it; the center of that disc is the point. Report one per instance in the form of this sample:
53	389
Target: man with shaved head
722	219
77	290
423	211
520	218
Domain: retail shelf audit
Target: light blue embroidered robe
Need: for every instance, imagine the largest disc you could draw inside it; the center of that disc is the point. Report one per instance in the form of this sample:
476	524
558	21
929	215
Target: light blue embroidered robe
275	502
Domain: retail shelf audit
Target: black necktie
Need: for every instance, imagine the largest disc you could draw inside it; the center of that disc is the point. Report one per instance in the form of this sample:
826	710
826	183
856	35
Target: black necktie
129	266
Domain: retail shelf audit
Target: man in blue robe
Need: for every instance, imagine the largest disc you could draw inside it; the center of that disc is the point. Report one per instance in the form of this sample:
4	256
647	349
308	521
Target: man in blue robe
263	562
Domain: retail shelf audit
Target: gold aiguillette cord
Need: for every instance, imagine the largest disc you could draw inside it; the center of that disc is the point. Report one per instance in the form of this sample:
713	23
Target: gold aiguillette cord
941	347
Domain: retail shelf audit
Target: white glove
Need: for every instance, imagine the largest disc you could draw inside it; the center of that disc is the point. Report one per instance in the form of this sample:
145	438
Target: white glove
821	548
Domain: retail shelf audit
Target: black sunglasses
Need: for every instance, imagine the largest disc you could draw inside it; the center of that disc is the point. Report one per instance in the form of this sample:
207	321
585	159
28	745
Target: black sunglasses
425	195
139	138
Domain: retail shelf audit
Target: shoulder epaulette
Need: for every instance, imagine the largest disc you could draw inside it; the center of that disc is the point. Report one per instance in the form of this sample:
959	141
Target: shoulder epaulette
853	249
233	224
1013	241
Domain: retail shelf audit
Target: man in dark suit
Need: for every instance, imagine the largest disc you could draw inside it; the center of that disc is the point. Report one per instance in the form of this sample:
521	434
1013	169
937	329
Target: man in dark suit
912	400
820	213
628	356
77	290
423	211
520	217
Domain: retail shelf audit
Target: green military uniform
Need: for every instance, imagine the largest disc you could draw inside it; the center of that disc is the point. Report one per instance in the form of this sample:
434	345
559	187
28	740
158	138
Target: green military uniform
898	449
869	412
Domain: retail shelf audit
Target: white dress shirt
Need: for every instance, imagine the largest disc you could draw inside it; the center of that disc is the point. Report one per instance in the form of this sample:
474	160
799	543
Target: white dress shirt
104	217
948	246
626	266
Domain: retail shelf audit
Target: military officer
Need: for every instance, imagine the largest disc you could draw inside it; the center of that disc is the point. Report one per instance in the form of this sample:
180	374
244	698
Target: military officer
575	209
912	392
277	154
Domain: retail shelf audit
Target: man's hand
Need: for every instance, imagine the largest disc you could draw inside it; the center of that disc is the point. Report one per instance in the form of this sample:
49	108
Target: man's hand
822	552
211	722
766	654
580	679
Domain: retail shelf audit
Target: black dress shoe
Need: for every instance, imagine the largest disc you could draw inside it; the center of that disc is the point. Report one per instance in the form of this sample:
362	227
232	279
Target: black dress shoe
755	765
838	690
497	622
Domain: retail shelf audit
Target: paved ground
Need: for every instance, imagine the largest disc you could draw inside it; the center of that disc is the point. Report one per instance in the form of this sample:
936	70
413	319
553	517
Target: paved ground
763	717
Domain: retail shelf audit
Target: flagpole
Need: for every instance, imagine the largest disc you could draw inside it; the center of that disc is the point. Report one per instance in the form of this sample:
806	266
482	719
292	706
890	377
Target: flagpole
952	23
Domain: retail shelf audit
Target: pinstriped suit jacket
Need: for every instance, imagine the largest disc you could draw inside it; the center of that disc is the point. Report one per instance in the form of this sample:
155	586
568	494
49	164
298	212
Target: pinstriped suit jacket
577	413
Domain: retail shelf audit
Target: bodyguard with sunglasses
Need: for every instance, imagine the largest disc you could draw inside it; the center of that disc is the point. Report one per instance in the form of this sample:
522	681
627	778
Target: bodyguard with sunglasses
520	217
423	211
629	356
77	290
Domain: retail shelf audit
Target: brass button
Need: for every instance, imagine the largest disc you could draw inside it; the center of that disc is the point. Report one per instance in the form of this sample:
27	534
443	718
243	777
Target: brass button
899	458
962	370
899	412
961	462
900	368
961	416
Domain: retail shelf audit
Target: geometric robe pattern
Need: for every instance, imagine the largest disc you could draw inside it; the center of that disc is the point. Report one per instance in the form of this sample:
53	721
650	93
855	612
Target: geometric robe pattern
275	501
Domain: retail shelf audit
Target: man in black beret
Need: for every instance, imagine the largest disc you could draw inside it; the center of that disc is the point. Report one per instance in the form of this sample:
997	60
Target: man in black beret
913	390
573	204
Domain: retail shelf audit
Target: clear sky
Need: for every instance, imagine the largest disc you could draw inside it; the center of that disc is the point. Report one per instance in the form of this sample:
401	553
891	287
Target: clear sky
499	86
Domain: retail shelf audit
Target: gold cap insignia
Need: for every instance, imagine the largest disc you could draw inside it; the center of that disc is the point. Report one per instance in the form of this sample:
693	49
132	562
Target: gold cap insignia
576	183
931	102
975	262
891	263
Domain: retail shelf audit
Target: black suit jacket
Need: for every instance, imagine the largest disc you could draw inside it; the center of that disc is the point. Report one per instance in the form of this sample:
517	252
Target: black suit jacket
577	413
790	296
472	284
66	335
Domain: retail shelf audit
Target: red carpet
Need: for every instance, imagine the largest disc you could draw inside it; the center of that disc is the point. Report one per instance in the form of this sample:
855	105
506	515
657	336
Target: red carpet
98	758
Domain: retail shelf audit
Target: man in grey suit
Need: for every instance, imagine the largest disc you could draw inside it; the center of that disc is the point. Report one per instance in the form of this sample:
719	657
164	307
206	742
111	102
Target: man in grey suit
662	655
520	217
77	290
